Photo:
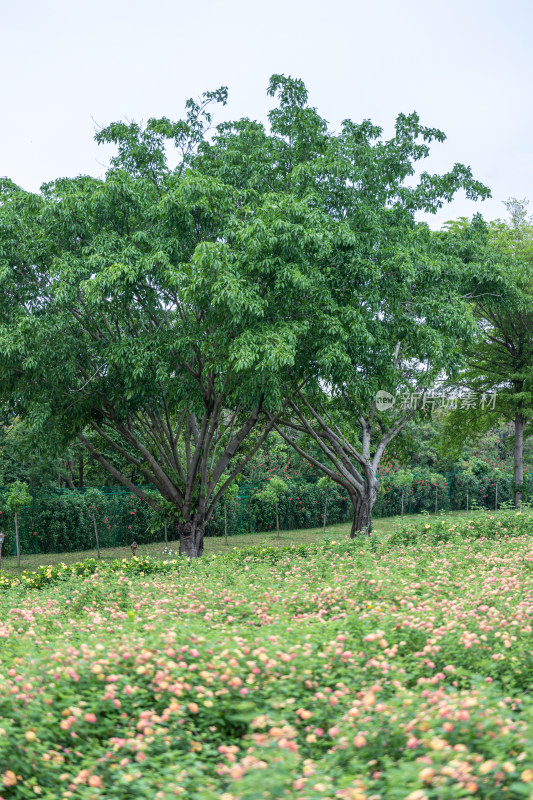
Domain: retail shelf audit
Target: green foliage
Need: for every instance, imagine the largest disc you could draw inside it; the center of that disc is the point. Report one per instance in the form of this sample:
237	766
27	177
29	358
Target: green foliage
498	277
274	490
17	496
300	506
403	478
63	521
430	531
138	312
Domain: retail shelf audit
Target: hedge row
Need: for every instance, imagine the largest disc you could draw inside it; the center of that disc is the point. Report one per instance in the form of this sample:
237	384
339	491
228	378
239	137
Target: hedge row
63	521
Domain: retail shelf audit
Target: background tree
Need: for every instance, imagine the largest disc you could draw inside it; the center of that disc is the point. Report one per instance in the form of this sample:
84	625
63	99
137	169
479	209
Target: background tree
401	311
272	494
327	485
165	310
498	258
17	497
416	324
93	498
469	483
403	478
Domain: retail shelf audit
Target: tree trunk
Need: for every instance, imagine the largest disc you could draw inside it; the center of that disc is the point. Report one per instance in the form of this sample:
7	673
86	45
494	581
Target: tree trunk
519	424
70	476
191	537
17	537
363	505
66	480
80	472
96	536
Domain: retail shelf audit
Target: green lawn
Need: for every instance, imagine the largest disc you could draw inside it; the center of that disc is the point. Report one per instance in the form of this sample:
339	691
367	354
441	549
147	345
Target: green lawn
212	544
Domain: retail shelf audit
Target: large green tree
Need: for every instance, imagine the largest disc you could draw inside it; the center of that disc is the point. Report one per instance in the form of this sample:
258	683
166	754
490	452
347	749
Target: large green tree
164	310
152	314
415	327
404	309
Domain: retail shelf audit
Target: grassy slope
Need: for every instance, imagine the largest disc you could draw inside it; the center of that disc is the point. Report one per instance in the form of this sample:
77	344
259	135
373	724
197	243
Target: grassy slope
212	544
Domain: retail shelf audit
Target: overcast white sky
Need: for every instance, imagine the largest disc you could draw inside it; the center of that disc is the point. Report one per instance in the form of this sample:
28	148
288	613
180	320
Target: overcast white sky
464	66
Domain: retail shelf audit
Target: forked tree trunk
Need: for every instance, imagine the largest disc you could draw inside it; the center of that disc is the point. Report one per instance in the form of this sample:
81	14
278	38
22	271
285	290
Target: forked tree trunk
519	425
363	505
191	537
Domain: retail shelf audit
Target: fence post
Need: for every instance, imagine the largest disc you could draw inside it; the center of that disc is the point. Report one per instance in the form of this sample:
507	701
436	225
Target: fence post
115	523
225	523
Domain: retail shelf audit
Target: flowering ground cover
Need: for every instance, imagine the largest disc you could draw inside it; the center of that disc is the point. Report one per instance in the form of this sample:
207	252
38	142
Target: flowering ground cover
363	671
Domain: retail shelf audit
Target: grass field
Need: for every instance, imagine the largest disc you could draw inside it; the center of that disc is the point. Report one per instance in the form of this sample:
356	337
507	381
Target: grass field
212	544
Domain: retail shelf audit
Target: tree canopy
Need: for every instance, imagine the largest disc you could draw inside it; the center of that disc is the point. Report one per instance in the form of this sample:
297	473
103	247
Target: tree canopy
154	314
498	280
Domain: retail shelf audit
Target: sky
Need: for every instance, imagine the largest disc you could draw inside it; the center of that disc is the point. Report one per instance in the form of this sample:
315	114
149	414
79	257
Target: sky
465	66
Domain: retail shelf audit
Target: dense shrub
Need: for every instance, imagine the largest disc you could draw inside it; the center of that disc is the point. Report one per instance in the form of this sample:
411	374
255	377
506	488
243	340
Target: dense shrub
475	486
428	532
62	522
330	671
301	506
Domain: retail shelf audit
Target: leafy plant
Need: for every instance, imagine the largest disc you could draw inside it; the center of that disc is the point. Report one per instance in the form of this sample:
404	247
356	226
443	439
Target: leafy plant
18	497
